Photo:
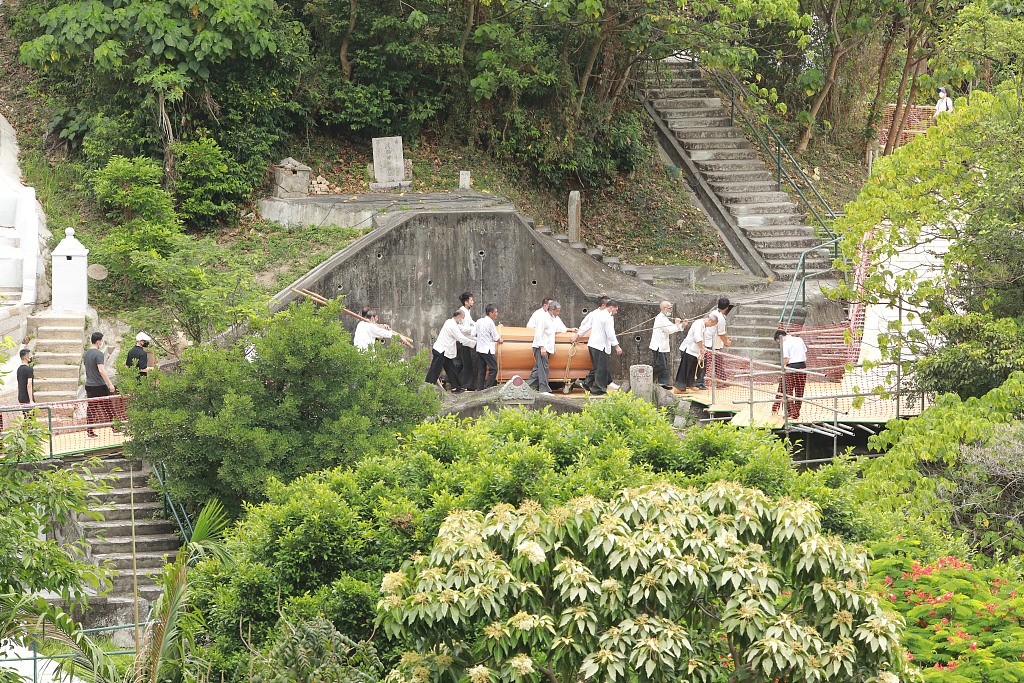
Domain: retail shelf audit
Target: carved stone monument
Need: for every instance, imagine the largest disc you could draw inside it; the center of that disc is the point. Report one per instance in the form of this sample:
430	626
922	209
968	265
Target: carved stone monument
70	275
291	179
641	382
574	216
517	392
465	180
389	168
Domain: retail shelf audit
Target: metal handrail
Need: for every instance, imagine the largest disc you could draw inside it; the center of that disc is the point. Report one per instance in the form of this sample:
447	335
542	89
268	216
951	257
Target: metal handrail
798	285
171	508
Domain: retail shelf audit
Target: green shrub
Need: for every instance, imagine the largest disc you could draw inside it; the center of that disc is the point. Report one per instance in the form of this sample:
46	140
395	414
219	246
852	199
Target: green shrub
208	184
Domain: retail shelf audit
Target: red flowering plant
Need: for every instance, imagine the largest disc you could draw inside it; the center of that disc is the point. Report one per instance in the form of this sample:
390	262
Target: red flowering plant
964	624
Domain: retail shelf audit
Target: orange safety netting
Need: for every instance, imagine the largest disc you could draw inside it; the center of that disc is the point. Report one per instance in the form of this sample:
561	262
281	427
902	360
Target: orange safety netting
76	426
918	119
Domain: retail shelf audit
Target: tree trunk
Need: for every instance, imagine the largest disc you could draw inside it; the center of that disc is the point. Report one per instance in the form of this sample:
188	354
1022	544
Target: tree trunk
837	57
346	66
900	92
883	76
914	85
470	19
587	70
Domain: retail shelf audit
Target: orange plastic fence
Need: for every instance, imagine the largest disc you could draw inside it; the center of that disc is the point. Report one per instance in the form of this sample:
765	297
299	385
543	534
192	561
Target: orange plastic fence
77	426
918	120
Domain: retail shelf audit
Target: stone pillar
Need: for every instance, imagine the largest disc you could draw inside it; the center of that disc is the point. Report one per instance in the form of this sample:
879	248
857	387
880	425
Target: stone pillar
574	216
641	382
70	277
291	179
465	180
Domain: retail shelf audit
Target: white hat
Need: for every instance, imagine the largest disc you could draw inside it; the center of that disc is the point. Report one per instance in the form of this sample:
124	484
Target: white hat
142	336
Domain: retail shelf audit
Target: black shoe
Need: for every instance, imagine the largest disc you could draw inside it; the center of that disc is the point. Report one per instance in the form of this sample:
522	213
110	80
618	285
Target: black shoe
667	387
458	390
598	392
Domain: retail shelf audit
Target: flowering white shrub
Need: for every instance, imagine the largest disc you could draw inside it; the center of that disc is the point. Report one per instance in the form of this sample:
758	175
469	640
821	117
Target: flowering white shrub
658	584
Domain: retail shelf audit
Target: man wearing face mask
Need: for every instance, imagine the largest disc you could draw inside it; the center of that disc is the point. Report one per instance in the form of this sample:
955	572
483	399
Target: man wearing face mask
137	357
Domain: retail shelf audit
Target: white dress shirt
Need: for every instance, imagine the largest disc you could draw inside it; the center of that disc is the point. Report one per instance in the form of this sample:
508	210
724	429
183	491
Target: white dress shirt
535	318
544	335
691	344
794	350
663	327
712	332
367	333
486	335
467	326
588	320
602	332
450	337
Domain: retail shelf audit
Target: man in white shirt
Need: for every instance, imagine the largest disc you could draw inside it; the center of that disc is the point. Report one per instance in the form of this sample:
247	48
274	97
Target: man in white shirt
588	324
660	347
445	350
794	379
693	354
715	338
544	346
537	315
487	340
369	331
466	361
601	342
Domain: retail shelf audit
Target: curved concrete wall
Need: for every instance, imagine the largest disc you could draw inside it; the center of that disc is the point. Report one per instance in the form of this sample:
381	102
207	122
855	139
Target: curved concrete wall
413	271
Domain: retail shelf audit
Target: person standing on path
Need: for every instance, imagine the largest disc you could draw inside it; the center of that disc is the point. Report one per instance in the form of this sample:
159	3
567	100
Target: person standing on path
945	103
487	340
137	356
601	343
588	324
715	338
794	379
544	347
445	350
26	378
97	385
693	354
660	347
466	362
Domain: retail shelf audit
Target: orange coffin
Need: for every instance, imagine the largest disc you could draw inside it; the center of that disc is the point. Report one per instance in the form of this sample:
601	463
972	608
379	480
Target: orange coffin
515	357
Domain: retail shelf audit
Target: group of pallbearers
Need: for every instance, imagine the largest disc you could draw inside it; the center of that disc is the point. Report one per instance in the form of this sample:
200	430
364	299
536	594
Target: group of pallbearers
466	350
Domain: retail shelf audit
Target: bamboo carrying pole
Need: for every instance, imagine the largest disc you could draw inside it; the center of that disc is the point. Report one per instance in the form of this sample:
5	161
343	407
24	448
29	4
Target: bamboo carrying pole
323	302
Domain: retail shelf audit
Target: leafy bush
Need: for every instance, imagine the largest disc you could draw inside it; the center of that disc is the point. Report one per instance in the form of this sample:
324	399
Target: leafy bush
969	354
313	650
208	184
305	399
963	624
657	584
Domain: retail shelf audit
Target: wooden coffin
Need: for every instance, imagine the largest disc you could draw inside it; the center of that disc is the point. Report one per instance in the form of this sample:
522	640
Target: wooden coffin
515	357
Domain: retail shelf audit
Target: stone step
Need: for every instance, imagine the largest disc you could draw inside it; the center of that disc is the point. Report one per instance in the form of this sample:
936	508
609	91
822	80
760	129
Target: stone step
749	186
50	319
712	132
124	496
730	166
754	209
115	462
123	544
124	510
677	115
628	269
122	479
751	197
64	385
738	176
53	396
596	253
784	269
786	220
612	262
70	333
54	358
147	560
724	155
713	144
668	103
56	371
144	528
766	329
766	231
800	243
699	122
687	90
578	246
756	341
60	346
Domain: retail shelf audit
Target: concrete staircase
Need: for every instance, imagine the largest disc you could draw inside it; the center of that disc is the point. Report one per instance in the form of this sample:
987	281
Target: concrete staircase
156	540
751	327
59	344
731	169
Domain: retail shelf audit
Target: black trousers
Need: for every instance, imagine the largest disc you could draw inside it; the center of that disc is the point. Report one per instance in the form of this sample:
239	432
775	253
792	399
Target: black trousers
466	365
97	412
439	361
486	371
661	374
686	375
602	375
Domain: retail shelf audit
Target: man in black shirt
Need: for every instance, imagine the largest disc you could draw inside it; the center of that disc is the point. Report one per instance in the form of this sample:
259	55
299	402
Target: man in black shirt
26	378
137	357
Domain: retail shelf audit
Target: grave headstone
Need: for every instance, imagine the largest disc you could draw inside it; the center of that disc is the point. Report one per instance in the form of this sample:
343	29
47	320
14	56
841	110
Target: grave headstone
291	179
465	180
641	382
574	216
517	391
389	168
70	275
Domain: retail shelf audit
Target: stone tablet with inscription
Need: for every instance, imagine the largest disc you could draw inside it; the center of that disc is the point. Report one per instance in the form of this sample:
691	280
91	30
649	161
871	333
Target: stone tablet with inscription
388	160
